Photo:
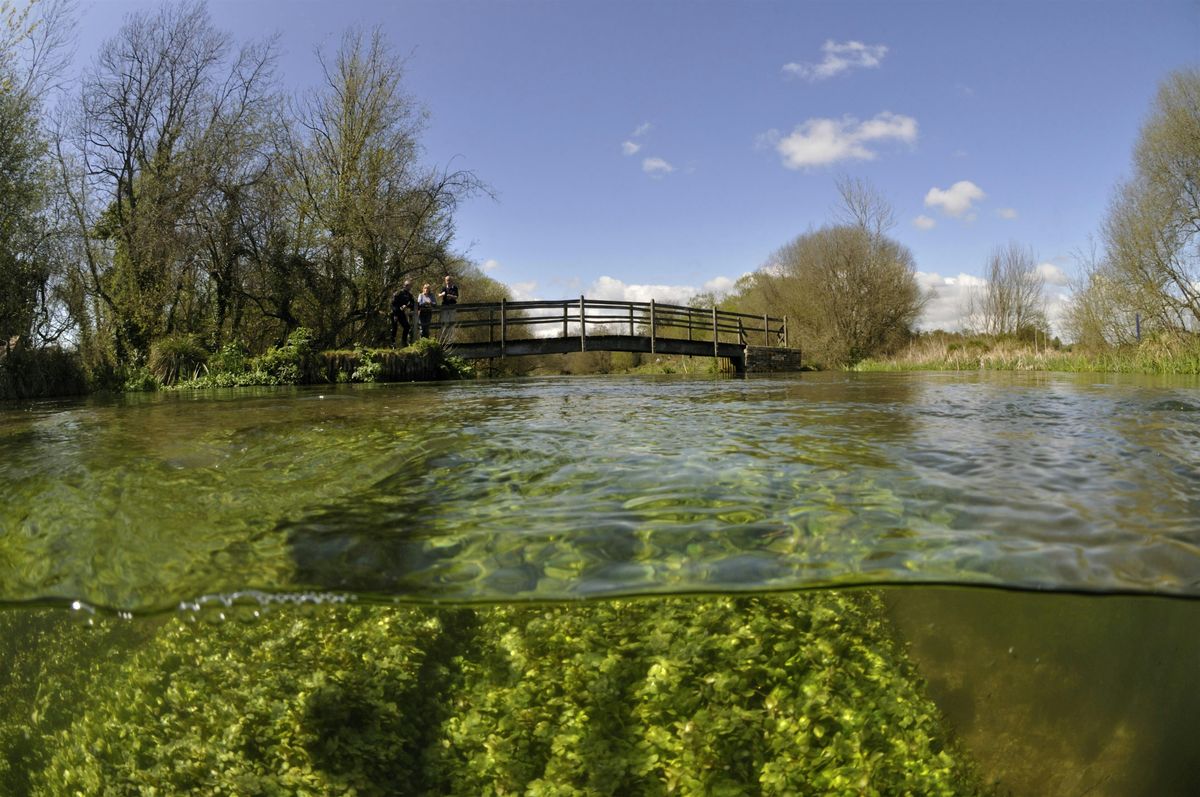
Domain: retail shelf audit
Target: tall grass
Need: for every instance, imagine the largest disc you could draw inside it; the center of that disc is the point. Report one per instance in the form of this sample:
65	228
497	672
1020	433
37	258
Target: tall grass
936	352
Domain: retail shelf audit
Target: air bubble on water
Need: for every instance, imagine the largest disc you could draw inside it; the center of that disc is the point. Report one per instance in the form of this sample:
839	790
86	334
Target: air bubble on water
250	605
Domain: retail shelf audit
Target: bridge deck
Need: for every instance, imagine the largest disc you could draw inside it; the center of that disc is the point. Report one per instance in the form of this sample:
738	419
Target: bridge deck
572	343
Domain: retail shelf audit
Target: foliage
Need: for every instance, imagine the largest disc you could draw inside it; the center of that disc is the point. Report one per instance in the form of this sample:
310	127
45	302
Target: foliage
193	198
296	363
293	363
791	695
229	359
850	290
137	380
369	368
1149	269
176	358
51	371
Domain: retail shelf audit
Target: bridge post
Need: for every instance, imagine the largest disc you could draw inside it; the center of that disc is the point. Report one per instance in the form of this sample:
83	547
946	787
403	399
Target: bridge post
766	331
503	327
582	327
653	324
785	335
715	334
631	320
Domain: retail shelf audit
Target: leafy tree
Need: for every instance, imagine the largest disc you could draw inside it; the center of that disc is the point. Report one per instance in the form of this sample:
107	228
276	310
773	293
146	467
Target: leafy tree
367	214
1147	272
32	44
849	290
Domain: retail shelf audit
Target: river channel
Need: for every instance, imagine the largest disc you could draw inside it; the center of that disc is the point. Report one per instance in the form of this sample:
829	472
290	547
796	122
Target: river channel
1013	559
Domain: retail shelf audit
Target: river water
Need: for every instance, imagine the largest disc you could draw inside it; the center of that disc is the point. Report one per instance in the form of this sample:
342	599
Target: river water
1022	551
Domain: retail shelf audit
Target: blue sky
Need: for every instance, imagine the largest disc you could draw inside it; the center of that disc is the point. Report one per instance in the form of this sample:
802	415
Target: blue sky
658	148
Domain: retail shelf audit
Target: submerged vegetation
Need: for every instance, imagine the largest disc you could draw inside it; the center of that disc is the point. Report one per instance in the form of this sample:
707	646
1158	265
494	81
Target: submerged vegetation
799	694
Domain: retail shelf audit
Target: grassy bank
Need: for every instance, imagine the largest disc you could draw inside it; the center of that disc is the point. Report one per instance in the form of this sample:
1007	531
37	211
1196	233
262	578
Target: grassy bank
181	363
946	352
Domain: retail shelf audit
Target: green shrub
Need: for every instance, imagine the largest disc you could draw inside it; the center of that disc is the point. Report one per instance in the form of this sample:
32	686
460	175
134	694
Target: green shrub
369	368
177	358
137	380
30	373
293	363
229	359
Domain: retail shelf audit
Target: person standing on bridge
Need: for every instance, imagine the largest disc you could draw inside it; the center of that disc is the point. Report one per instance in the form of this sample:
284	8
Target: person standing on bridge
449	297
403	303
425	305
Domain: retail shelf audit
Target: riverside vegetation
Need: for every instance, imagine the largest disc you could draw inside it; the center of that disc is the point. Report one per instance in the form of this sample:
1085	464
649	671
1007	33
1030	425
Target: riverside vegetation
1163	353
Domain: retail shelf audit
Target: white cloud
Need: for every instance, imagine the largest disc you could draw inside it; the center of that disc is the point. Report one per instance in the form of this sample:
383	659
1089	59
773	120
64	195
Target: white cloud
923	222
1052	274
612	289
523	291
719	285
955	200
818	142
1006	213
631	147
946	308
489	266
839	57
656	167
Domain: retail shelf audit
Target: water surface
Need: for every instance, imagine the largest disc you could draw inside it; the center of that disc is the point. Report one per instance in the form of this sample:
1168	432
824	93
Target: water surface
565	488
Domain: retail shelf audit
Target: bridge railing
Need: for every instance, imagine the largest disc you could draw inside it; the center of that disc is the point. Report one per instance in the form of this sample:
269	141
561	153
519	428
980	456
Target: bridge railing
499	322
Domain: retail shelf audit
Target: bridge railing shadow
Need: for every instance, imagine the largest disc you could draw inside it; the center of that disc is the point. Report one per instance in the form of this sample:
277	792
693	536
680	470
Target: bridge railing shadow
505	321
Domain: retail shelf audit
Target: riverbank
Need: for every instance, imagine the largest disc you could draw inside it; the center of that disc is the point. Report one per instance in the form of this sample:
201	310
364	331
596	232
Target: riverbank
182	364
947	352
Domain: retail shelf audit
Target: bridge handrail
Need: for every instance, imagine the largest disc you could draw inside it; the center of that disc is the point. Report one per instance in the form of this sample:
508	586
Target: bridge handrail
582	313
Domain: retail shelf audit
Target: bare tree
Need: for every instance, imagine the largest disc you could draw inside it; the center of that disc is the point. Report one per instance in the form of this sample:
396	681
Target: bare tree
1102	311
863	206
1012	301
159	120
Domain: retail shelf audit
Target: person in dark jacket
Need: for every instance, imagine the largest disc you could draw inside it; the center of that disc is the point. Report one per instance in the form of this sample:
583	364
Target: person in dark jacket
449	297
403	303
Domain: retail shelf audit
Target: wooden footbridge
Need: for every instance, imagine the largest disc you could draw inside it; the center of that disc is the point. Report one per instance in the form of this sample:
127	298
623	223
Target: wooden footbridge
513	329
